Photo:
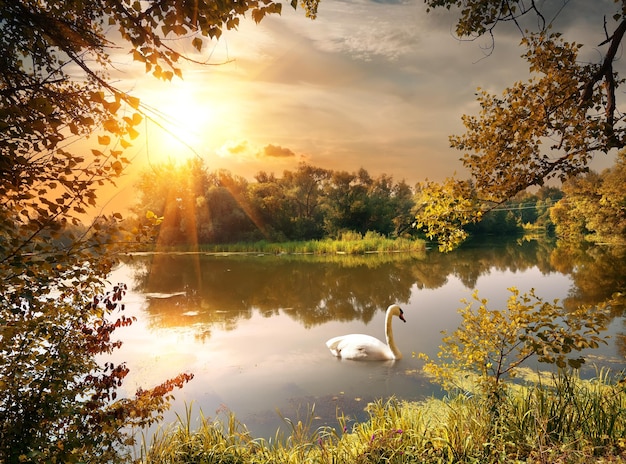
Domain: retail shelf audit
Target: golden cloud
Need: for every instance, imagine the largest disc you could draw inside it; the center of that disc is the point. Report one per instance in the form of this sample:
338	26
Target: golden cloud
275	151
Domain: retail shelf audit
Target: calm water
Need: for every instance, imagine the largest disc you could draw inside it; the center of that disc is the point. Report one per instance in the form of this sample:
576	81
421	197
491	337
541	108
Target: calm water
252	329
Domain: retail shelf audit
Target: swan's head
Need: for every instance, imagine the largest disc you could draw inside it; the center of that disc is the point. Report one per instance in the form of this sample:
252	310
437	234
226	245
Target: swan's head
396	310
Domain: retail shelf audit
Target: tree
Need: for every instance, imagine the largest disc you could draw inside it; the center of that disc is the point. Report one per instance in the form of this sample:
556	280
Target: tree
303	190
230	215
269	202
594	206
443	211
357	202
177	194
389	205
344	203
195	206
544	199
58	403
550	126
493	344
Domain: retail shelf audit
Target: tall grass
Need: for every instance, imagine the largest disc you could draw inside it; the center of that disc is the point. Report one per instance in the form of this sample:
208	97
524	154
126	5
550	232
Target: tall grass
565	420
586	418
348	243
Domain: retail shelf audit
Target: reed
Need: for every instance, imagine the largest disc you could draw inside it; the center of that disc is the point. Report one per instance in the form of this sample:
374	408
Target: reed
563	420
351	243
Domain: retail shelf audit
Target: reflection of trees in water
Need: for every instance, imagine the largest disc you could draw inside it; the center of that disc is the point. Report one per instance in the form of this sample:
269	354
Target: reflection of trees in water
218	291
598	273
478	258
311	291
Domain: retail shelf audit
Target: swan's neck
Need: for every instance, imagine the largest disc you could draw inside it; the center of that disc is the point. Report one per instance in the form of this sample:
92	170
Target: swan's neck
389	335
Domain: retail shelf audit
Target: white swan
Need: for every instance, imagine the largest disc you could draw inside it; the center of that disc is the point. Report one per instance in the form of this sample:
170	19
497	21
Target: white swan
361	347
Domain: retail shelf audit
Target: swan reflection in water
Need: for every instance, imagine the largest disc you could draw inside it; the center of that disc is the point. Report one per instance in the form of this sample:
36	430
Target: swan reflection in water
360	347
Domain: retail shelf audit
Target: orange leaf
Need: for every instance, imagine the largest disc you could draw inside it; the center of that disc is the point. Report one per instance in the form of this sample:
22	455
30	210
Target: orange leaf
104	139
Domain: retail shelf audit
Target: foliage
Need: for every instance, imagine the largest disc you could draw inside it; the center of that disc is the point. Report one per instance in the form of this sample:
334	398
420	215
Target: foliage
563	419
493	344
481	16
201	207
47	104
444	209
515	126
56	403
360	203
549	126
60	404
594	208
524	212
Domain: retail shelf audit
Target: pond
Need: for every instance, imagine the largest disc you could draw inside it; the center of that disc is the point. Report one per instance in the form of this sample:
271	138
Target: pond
252	328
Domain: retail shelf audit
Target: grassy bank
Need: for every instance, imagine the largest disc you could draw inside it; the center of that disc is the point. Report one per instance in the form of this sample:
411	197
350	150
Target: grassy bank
350	243
566	420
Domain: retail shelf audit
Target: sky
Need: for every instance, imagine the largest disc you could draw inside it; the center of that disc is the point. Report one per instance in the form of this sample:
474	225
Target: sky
373	84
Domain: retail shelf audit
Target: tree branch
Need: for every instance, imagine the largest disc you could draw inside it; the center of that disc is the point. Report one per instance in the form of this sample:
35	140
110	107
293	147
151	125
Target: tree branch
606	71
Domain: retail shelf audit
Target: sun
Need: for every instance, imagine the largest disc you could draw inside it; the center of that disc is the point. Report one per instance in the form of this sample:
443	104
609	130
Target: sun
180	123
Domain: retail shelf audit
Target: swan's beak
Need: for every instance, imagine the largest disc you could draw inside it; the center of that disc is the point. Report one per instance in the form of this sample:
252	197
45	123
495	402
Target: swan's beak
401	316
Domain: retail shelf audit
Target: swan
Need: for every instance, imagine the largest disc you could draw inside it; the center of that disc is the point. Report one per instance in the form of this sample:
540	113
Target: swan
361	347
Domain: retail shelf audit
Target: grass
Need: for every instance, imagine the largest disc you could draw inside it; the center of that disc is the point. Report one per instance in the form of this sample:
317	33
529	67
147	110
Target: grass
563	420
350	243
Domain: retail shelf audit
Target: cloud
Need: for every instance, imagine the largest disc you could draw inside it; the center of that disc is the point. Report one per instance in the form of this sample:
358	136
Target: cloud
232	148
378	84
276	151
363	30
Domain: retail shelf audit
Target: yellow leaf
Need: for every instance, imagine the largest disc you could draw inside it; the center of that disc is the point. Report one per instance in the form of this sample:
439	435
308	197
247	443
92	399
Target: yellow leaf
132	133
133	101
117	167
110	125
104	139
137	56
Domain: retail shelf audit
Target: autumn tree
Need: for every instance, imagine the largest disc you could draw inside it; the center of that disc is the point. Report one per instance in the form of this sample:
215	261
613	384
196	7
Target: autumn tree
494	344
594	206
547	127
534	208
57	403
444	210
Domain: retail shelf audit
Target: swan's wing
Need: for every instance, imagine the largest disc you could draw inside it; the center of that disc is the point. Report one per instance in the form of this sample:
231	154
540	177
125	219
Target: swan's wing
359	347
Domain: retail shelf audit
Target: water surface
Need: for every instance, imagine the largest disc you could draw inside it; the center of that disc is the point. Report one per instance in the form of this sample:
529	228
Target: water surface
252	329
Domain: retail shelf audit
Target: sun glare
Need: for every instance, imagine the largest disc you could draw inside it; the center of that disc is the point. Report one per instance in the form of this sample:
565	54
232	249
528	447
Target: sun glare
181	124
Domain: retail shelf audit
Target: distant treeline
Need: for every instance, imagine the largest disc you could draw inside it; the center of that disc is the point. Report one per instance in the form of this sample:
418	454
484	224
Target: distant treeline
310	203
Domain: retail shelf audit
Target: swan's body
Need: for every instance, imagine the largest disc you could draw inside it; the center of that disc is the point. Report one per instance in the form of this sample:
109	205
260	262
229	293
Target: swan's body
361	347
